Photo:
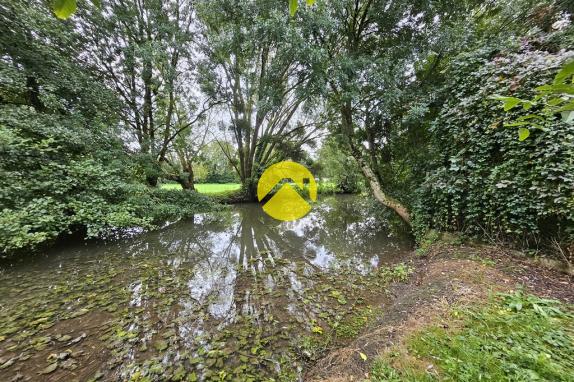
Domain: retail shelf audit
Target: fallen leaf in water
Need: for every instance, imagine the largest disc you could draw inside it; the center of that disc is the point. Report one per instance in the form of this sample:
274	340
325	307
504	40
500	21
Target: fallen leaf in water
160	345
50	368
69	364
78	339
64	338
8	363
79	313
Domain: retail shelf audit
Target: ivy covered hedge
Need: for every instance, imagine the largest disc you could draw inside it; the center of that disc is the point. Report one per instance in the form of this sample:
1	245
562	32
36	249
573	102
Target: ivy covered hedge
485	180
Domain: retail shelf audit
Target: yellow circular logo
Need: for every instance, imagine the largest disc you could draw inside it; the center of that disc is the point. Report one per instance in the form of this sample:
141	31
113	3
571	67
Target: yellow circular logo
285	190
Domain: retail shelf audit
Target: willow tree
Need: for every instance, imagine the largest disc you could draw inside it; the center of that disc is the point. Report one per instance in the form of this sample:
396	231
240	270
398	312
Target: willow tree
251	50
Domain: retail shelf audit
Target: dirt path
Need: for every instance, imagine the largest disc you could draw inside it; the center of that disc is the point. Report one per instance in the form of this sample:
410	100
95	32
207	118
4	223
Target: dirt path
449	276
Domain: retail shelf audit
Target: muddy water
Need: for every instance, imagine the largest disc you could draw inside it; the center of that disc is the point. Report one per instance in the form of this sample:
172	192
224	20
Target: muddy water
234	295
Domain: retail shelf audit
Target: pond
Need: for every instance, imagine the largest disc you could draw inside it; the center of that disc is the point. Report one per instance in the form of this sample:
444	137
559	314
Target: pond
233	295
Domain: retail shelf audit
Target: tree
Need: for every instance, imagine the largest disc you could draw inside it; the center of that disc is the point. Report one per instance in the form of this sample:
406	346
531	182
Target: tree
62	161
368	55
213	157
144	51
251	50
338	167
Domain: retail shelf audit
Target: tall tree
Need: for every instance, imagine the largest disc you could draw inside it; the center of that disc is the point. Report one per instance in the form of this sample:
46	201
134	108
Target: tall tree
251	51
144	50
367	57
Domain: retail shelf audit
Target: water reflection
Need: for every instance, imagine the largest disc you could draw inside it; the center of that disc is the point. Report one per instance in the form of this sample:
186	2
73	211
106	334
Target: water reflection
227	291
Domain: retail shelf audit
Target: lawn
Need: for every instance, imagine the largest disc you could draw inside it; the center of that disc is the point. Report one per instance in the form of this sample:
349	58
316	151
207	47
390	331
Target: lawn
206	188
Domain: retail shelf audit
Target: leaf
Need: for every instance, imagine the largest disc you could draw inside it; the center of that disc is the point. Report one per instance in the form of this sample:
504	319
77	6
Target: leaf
8	363
50	368
160	345
310	3
363	356
555	101
564	73
515	124
508	102
523	133
530	116
568	117
293	4
559	88
97	3
527	105
568	107
64	8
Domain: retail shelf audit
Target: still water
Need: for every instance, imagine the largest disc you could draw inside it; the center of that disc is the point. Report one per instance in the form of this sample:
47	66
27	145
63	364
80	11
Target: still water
233	295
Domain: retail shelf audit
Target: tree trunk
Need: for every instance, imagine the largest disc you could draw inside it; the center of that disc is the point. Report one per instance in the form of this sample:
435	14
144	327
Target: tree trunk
187	180
34	94
384	199
374	183
250	189
152	180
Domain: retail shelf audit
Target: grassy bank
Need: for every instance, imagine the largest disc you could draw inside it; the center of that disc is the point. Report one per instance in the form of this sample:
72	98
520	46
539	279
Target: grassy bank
513	337
468	313
218	188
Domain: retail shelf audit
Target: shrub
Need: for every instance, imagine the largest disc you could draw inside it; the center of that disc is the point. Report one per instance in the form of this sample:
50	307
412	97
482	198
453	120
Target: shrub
59	177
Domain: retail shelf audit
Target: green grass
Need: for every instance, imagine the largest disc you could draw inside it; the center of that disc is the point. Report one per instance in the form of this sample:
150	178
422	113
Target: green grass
206	188
215	188
514	338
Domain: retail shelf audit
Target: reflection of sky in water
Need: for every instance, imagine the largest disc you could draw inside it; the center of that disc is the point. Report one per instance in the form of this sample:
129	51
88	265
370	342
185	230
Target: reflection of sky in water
333	236
214	257
201	276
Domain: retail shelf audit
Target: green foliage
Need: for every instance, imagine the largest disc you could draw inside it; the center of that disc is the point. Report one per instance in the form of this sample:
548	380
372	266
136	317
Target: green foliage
431	237
64	8
57	181
518	337
336	167
354	324
399	272
217	168
486	181
256	42
294	5
63	165
518	301
554	98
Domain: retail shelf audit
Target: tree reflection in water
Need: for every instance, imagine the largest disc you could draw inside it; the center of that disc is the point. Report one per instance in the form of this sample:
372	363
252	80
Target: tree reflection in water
230	291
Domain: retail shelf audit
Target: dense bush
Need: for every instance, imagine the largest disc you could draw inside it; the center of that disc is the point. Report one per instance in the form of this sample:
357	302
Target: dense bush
220	178
486	180
57	178
338	169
